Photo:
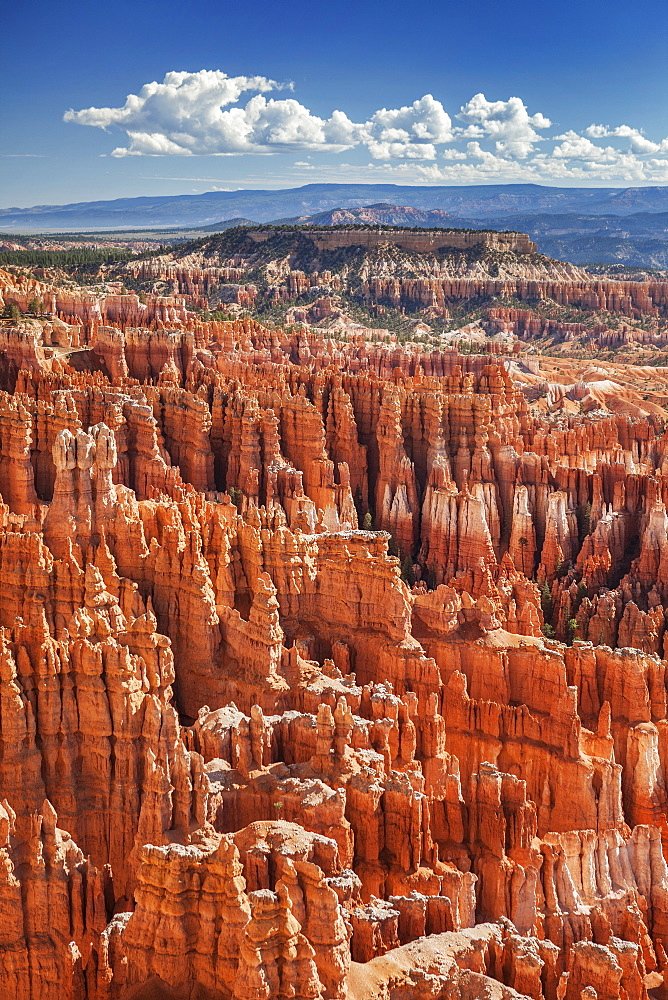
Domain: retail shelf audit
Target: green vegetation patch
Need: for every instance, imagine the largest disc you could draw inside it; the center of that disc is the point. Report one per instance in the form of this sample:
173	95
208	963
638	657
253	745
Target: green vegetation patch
64	258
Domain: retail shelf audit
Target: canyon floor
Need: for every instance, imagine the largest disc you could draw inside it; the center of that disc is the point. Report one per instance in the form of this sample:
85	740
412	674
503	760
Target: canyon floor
333	656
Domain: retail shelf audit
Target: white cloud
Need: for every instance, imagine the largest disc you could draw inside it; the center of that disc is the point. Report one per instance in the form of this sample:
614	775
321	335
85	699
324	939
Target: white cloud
453	154
171	101
210	113
399	147
409	131
189	113
508	123
578	147
594	131
637	141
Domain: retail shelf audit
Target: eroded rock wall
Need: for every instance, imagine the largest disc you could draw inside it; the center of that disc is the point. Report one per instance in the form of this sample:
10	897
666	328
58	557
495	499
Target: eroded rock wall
322	675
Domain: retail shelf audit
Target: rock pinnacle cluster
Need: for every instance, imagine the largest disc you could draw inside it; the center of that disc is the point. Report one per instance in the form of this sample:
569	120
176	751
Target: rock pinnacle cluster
330	669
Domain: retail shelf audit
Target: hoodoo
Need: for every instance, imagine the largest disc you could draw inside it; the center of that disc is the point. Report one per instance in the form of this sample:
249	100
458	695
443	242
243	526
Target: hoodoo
330	666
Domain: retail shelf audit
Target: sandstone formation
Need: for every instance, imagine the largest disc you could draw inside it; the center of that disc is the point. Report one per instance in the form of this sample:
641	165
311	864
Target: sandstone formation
420	241
328	669
323	271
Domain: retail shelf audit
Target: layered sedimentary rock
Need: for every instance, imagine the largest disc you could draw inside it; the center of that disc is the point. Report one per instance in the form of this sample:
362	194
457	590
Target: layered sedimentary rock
321	272
403	269
327	669
420	241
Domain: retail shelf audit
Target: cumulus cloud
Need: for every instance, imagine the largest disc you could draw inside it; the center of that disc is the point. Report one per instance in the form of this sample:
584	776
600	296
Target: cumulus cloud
211	113
408	132
637	141
199	114
578	147
189	113
172	101
508	123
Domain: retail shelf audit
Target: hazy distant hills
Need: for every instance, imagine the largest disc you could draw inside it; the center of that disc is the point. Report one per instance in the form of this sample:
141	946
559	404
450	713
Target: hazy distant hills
383	214
543	223
478	202
638	239
220	227
580	225
635	251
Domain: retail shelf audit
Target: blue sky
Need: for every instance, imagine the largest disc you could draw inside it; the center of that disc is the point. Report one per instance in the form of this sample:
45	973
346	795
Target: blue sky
440	92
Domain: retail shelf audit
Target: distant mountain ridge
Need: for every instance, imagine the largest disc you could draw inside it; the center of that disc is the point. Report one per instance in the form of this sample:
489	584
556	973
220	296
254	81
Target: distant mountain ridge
640	239
383	214
220	227
548	223
476	201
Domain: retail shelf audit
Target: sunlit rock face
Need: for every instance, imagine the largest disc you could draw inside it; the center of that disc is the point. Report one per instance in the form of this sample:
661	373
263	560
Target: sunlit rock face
328	669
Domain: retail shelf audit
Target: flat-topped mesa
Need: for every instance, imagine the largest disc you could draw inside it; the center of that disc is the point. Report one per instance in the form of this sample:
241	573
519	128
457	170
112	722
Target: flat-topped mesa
420	241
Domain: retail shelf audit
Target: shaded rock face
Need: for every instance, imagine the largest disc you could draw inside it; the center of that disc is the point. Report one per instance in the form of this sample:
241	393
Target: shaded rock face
432	271
279	712
419	242
323	273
